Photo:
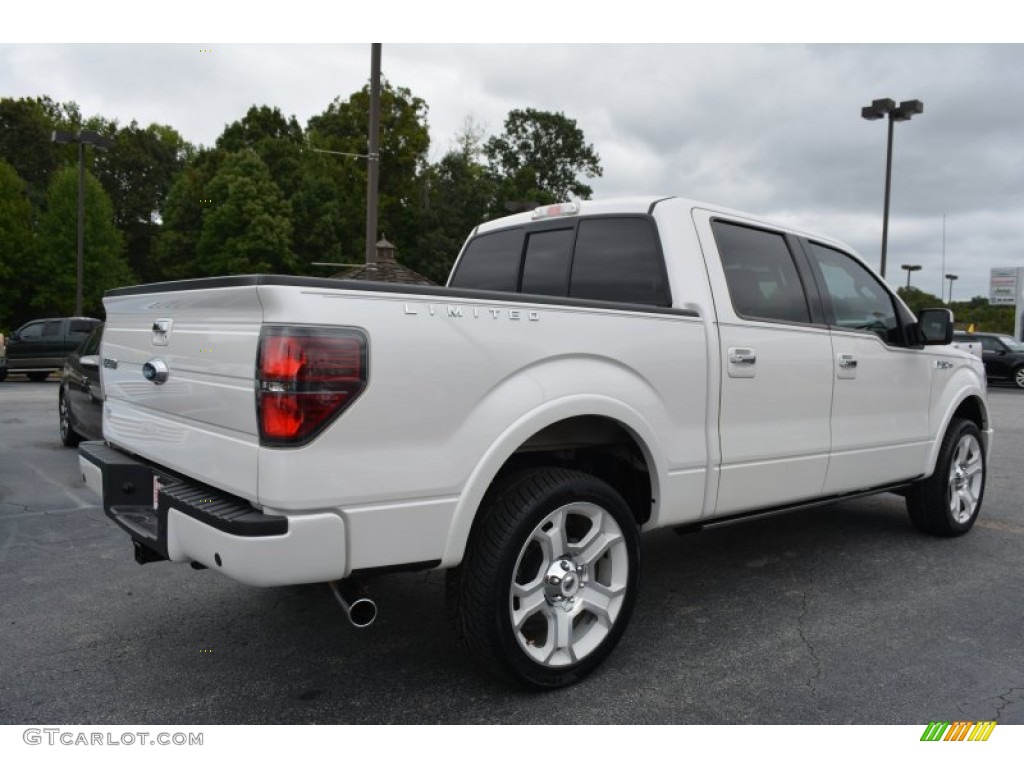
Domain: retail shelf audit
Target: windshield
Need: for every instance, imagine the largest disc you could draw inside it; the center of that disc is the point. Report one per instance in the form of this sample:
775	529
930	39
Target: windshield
1012	343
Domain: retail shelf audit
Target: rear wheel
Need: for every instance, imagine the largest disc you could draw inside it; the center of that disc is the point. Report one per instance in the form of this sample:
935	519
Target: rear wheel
948	502
37	375
550	577
68	436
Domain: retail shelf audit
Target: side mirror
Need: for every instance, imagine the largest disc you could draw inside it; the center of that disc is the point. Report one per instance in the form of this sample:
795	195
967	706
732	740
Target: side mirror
935	326
89	361
14	336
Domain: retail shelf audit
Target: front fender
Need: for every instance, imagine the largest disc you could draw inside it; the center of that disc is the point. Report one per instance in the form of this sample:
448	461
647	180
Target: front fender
965	391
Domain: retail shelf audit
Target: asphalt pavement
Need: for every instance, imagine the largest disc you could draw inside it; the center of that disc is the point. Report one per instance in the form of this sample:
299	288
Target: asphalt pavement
838	614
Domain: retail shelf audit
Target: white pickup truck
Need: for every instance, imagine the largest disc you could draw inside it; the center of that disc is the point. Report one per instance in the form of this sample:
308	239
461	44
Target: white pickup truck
593	370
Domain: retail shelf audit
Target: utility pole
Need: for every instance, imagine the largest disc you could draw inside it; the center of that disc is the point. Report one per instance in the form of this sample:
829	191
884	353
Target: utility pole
373	159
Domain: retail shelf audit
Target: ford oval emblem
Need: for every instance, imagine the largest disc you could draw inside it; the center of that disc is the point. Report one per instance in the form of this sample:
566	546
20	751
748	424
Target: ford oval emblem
156	371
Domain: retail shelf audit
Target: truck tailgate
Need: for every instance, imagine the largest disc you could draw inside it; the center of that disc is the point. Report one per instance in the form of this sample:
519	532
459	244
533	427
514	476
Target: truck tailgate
201	420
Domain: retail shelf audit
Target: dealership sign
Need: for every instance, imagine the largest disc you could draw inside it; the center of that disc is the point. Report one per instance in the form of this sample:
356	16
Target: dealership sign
1003	285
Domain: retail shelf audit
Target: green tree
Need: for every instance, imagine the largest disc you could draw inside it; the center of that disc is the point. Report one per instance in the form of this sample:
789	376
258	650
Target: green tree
54	272
460	193
276	139
404	142
247	224
176	249
137	172
17	248
26	140
540	157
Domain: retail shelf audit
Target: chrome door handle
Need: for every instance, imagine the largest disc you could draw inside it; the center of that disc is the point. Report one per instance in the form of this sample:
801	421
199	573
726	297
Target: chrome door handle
847	361
742	356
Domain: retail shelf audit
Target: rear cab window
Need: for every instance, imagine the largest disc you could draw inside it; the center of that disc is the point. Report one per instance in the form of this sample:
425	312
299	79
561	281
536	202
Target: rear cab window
601	258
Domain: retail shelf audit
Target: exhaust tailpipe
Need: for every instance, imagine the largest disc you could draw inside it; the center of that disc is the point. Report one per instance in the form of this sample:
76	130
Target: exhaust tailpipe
354	601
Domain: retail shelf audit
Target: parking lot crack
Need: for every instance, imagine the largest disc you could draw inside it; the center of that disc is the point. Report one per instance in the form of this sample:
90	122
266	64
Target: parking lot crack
1007	699
810	682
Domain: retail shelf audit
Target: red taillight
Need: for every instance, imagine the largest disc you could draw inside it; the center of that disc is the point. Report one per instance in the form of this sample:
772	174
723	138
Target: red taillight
305	377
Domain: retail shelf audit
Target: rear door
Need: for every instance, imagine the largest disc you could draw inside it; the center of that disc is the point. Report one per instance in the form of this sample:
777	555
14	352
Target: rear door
776	358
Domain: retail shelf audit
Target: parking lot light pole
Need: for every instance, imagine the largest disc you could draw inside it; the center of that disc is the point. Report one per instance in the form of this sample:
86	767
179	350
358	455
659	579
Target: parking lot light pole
910	268
878	109
81	138
951	278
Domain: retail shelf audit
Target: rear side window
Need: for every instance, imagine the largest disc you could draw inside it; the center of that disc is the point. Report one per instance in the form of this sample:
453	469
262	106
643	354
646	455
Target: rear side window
762	277
618	259
615	258
81	327
491	262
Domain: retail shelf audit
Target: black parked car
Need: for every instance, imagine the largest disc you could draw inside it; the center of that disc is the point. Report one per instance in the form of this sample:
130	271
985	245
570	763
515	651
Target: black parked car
1003	355
40	347
81	395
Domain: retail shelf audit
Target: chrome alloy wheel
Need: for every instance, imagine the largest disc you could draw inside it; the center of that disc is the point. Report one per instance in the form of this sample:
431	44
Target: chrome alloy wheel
569	584
1018	377
65	418
965	478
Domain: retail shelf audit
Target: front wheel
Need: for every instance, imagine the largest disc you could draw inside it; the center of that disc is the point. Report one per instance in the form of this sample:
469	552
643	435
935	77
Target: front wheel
1018	377
948	502
550	577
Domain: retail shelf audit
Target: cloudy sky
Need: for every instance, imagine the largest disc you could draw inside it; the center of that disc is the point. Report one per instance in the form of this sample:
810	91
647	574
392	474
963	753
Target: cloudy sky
772	129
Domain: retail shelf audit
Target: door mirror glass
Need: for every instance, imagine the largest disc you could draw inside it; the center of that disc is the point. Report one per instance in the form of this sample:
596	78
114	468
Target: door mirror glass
935	326
89	361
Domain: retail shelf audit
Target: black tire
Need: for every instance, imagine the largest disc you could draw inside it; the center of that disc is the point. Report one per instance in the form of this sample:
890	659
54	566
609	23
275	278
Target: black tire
948	502
3	374
560	550
37	375
68	436
1018	377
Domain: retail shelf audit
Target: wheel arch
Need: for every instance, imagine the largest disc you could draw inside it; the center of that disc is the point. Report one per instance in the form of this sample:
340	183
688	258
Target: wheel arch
969	404
577	432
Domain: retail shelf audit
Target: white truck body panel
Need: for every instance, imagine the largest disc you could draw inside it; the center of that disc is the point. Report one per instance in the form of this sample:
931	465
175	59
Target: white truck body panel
729	414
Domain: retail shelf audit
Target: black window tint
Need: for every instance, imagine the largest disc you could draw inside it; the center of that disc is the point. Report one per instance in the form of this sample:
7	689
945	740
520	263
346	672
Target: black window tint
33	331
859	300
990	344
81	327
491	262
762	277
546	267
618	259
92	346
51	329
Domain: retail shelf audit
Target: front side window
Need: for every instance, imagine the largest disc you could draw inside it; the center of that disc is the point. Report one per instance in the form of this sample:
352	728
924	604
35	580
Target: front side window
858	298
33	331
51	329
763	280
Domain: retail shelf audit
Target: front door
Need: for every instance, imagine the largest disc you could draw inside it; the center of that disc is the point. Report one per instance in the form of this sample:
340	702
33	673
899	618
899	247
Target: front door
882	388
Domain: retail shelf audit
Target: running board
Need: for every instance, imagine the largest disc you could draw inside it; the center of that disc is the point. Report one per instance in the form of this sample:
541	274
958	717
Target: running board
741	517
